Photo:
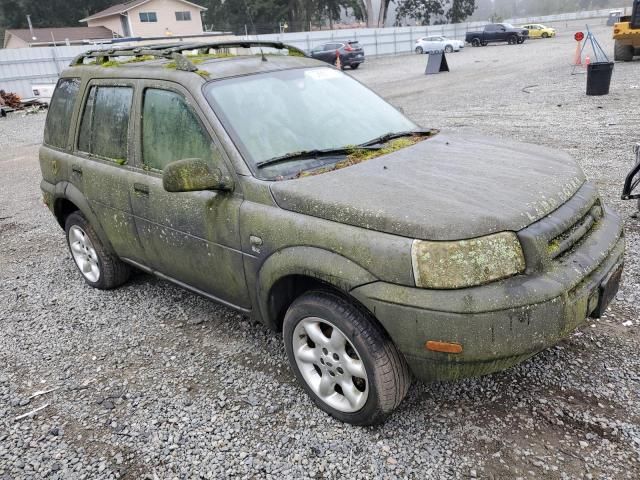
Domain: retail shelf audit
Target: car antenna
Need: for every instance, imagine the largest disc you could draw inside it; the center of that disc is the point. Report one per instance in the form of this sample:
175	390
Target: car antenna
253	26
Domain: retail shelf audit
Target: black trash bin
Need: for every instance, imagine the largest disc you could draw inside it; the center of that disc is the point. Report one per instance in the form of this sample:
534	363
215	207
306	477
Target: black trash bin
599	78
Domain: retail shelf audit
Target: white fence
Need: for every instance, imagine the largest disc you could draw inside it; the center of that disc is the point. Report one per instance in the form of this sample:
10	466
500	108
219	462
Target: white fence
392	41
22	67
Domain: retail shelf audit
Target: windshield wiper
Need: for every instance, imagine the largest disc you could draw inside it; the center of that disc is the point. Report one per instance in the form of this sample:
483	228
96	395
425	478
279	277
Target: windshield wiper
305	155
391	135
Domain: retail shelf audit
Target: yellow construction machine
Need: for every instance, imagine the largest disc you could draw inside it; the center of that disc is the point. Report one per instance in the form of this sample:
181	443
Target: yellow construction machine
626	33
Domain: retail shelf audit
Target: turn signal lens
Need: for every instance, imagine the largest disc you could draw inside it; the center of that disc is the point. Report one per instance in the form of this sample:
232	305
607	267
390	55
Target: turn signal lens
444	347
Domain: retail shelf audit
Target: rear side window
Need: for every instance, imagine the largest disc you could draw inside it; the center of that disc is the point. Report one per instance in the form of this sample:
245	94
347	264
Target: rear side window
105	122
56	131
171	130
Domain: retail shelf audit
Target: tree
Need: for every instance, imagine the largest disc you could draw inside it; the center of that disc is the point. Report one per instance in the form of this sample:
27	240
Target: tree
424	11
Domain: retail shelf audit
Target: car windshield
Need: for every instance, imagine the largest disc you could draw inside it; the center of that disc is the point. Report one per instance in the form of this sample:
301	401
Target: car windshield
275	114
507	25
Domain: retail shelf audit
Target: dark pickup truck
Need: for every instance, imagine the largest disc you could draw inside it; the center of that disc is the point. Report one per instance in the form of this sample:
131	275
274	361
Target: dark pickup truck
497	32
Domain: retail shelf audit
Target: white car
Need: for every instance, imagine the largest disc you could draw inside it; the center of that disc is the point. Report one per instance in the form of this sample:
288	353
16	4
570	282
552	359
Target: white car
431	44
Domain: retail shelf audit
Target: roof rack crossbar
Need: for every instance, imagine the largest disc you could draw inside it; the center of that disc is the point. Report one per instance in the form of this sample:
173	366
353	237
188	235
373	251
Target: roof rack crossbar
174	51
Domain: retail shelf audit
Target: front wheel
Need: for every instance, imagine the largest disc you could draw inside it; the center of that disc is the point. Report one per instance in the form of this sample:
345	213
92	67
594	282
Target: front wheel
545	35
99	267
343	358
623	53
419	50
448	49
475	42
513	40
354	66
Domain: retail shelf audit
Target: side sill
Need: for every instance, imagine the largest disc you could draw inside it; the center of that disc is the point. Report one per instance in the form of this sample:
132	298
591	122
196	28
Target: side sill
202	293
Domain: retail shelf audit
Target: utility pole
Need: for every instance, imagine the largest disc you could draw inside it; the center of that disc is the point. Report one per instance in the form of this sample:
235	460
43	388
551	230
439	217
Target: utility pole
33	37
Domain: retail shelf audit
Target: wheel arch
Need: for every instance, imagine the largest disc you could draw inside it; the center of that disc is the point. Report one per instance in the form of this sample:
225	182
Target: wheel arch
72	200
290	272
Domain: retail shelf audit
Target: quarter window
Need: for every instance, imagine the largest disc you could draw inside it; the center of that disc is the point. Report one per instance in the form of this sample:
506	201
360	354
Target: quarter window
171	130
146	17
183	16
105	122
56	131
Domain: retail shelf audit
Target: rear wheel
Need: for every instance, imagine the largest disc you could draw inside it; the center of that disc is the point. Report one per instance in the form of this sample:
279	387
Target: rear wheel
475	42
343	358
419	50
513	40
448	49
99	267
484	44
354	66
623	53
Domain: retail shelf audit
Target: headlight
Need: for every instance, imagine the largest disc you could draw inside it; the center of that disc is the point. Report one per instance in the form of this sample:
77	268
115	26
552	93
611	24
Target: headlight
466	263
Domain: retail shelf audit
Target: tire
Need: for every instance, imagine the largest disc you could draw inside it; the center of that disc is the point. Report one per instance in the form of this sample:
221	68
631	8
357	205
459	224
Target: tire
475	42
545	35
521	40
102	268
484	44
512	40
419	50
354	66
350	338
448	49
623	53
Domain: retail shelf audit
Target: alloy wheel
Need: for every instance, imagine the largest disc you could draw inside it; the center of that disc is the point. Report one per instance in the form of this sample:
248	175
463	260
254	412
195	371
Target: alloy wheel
330	364
84	253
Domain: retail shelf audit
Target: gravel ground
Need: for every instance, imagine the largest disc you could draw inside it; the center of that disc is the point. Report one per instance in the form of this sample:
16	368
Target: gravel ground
150	381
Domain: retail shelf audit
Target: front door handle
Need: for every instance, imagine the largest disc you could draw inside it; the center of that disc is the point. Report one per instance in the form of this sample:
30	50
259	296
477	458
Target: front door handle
141	188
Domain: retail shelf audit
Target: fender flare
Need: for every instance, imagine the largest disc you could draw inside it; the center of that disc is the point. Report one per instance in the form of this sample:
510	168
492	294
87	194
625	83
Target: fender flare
68	191
311	262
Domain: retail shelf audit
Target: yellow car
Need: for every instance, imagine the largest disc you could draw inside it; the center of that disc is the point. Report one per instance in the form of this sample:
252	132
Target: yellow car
539	31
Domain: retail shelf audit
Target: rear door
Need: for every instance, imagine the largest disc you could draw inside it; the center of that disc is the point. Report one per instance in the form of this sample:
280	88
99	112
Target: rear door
489	33
55	153
191	237
103	157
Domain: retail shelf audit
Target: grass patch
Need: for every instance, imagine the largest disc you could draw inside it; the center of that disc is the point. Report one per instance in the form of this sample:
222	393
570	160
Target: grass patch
359	155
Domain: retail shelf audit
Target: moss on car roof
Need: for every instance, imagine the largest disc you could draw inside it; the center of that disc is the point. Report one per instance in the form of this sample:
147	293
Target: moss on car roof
216	65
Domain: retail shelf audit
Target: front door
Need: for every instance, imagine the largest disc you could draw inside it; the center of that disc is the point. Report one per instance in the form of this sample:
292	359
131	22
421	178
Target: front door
191	237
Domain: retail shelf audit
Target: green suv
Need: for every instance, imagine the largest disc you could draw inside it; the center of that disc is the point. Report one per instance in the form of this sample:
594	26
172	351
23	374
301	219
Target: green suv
283	188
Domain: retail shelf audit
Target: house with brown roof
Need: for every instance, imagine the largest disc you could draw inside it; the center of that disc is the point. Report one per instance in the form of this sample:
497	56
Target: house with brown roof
150	18
43	37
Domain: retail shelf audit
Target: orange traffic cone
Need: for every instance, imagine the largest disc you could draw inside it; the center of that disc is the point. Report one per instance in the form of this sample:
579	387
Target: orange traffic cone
338	62
577	61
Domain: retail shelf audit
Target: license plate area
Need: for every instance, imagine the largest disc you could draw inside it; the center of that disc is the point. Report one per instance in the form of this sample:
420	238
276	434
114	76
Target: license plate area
607	291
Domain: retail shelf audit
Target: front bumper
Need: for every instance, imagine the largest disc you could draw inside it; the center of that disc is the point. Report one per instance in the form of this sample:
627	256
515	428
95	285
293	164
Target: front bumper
503	323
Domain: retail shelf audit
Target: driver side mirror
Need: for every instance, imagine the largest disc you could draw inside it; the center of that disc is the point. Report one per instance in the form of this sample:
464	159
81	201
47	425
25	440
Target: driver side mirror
193	175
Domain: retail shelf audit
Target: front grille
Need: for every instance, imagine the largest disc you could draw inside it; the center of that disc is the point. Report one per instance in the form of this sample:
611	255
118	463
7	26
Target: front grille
573	235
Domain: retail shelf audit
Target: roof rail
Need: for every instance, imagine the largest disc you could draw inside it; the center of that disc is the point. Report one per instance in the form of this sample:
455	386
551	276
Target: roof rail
174	51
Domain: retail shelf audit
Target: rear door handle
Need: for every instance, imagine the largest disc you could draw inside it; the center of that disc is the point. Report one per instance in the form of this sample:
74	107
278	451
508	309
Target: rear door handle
141	188
77	169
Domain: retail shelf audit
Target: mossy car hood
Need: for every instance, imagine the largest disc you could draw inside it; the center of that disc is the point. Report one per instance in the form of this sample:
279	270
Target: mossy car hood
449	187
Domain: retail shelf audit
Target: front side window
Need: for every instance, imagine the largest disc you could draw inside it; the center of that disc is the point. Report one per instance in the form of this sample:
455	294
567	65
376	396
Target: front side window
147	17
104	130
183	16
171	130
278	113
56	131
